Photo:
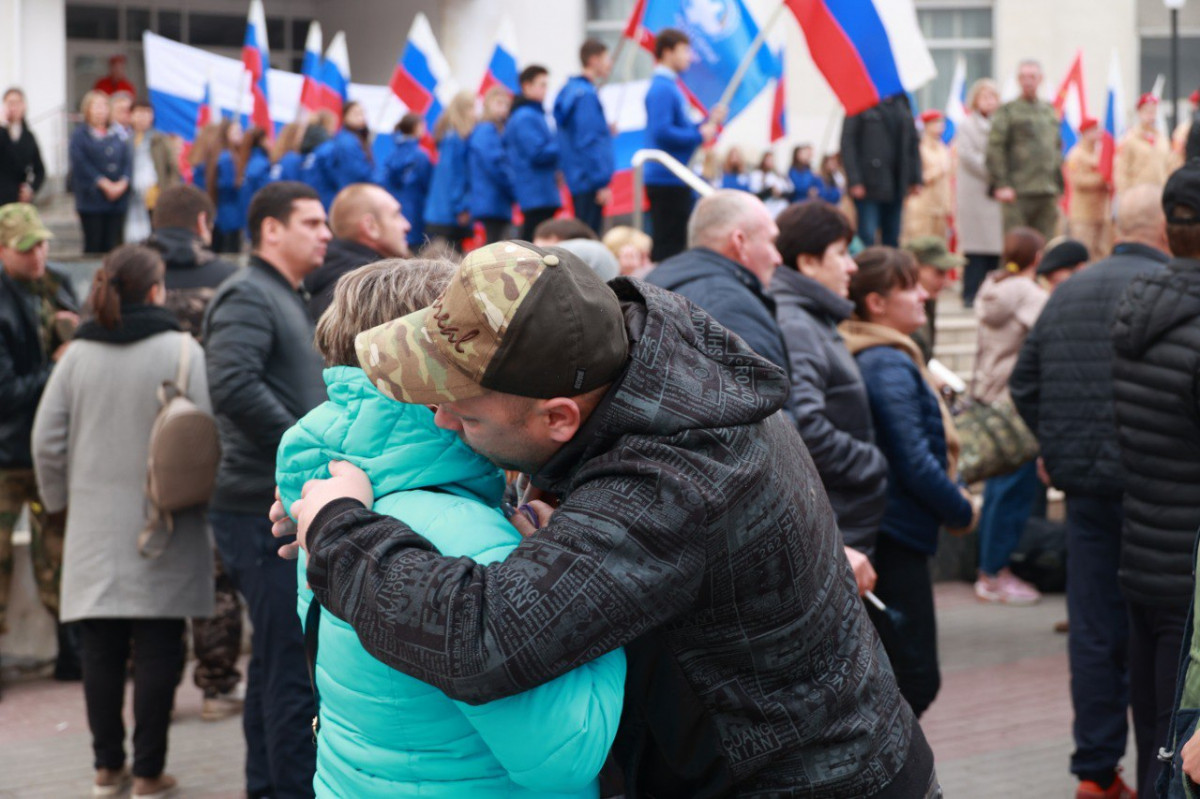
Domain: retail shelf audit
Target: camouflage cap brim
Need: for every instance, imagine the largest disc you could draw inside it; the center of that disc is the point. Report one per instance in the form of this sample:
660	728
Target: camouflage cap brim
404	363
947	261
34	237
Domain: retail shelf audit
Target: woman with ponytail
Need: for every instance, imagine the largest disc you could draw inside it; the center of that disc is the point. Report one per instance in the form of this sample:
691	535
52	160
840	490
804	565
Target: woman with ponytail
91	438
223	177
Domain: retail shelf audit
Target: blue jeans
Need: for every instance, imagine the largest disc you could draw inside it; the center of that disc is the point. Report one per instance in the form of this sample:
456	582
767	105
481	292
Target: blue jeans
879	218
1098	639
1007	503
277	719
588	211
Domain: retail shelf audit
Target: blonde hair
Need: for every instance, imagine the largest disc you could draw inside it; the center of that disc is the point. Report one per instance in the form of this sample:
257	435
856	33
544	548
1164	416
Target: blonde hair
459	116
90	97
287	141
624	236
372	295
491	94
978	88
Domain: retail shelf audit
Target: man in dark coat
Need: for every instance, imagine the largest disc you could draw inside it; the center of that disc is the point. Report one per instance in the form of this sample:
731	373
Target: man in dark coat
21	169
692	531
729	262
1156	339
1062	386
882	158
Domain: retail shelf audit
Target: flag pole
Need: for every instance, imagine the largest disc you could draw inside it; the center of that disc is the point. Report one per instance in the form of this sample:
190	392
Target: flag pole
751	53
635	16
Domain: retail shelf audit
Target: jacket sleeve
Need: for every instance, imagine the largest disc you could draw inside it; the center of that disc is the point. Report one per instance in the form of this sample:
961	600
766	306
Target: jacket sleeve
19	392
592	137
39	169
422	175
663	131
756	329
895	395
238	343
997	150
972	154
1024	384
51	433
532	141
226	172
494	159
586	584
850	163
460	191
84	172
126	163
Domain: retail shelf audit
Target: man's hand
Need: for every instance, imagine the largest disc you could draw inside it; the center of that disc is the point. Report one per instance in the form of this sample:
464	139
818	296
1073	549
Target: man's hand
976	509
347	482
864	572
604	197
1191	757
708	131
718	114
858	191
282	526
25	193
1005	194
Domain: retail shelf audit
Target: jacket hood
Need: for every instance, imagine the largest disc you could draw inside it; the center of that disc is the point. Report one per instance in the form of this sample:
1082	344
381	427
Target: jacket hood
521	101
788	286
180	247
994	304
397	445
1154	305
685	372
575	87
861	336
341	256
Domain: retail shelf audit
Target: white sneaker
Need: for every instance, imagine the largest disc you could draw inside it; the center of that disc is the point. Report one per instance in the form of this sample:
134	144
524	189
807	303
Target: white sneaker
988	589
1016	591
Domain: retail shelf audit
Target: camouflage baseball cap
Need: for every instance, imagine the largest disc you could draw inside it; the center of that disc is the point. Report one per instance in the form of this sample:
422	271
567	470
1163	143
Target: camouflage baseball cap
932	250
518	319
21	227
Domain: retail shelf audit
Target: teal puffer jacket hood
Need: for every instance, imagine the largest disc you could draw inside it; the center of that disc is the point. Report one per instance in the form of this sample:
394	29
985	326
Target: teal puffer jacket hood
383	733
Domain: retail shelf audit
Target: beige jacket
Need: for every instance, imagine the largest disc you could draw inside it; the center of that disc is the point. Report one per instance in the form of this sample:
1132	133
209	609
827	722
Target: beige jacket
1142	157
1089	191
1006	307
928	213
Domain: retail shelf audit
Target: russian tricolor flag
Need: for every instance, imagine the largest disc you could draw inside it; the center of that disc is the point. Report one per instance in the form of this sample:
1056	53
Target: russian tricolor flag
866	49
503	69
256	60
422	79
206	113
310	68
334	80
779	106
956	103
1114	116
1071	103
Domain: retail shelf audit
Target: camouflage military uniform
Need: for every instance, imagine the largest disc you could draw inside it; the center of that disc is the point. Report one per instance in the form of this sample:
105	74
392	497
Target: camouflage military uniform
18	489
1025	154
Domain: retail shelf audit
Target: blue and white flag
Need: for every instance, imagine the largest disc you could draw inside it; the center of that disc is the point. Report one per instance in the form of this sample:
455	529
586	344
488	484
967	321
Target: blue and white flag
956	103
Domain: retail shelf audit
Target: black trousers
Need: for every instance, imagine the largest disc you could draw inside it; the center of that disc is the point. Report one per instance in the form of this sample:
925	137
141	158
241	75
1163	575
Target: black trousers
157	659
102	232
1155	639
452	235
908	629
976	270
588	211
535	217
227	241
670	208
495	230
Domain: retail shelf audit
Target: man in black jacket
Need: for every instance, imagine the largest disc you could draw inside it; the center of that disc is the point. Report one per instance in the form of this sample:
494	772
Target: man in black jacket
1062	387
38	312
263	375
882	158
692	531
21	170
1156	338
368	225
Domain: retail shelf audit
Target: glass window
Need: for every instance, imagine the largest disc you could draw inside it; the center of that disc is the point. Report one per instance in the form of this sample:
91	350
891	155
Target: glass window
976	23
92	22
954	33
216	30
170	24
606	22
300	33
1156	60
137	20
609	10
276	32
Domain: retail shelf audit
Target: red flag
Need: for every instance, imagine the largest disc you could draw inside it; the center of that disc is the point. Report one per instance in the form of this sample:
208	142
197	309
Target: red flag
634	30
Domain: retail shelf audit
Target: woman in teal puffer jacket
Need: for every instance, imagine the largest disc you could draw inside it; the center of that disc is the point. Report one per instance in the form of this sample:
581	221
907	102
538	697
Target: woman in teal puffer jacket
383	733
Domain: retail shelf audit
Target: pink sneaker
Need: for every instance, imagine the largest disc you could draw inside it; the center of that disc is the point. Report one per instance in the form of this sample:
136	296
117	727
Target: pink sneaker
989	589
1015	591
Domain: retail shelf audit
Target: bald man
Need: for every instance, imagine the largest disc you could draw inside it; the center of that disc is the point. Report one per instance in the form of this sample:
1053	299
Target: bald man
368	225
1063	387
729	262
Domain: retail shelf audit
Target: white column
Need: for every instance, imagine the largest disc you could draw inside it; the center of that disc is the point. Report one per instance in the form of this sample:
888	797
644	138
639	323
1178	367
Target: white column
33	56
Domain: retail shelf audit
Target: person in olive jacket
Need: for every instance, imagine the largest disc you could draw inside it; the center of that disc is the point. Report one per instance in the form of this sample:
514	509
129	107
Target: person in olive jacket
829	399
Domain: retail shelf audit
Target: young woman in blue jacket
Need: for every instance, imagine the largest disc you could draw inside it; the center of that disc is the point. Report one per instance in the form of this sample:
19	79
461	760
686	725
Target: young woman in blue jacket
346	158
223	177
255	164
733	171
383	733
916	434
101	167
447	211
285	153
490	173
406	173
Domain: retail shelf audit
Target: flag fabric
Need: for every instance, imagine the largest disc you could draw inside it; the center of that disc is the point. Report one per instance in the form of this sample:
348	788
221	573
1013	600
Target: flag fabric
866	49
1071	103
625	106
1114	116
1160	114
256	60
206	114
956	103
310	68
422	78
334	80
779	106
721	32
502	68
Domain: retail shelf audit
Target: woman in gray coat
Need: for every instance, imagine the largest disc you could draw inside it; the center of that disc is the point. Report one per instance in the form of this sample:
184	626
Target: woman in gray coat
978	219
90	442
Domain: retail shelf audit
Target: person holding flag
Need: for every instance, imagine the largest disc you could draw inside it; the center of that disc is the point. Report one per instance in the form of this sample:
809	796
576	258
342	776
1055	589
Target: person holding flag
1144	155
585	140
533	152
1090	210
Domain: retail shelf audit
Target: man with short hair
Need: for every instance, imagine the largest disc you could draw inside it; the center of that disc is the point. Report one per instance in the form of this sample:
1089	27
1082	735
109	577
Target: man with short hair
585	138
882	158
1024	157
21	169
729	263
1063	388
670	128
263	375
38	314
552	231
692	530
406	174
935	262
368	225
533	151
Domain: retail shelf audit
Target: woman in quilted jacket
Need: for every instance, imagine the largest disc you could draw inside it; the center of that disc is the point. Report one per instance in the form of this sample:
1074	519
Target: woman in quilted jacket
381	732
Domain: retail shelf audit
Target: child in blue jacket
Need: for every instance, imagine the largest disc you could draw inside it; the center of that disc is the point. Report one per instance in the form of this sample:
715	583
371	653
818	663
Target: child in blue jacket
584	138
533	152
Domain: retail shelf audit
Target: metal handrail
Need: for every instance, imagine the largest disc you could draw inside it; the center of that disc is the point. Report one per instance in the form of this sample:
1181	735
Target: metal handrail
677	169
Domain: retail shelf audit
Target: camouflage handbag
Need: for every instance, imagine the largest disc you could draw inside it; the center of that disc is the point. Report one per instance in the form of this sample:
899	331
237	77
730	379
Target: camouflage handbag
995	440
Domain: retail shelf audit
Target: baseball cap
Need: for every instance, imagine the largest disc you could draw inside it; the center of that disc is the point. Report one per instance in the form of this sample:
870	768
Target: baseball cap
1064	255
518	319
1183	188
932	251
21	227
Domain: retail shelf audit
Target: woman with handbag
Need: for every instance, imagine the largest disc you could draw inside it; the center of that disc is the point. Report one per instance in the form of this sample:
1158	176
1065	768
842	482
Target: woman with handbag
915	432
91	440
1008	303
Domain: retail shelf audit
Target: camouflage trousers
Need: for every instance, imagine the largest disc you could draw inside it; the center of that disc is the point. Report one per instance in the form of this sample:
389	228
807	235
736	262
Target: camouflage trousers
217	641
1038	211
18	488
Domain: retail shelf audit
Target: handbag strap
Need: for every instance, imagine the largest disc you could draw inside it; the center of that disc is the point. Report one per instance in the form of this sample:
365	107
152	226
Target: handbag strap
312	628
185	357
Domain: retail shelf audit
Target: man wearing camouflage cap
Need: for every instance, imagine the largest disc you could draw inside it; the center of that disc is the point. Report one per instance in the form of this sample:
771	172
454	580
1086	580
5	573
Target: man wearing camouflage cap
935	262
38	314
692	529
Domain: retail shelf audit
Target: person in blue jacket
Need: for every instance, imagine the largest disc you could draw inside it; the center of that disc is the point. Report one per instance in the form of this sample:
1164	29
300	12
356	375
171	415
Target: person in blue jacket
406	174
285	153
490	173
669	128
733	172
344	159
806	184
101	168
255	164
382	733
447	213
533	152
585	139
917	436
223	178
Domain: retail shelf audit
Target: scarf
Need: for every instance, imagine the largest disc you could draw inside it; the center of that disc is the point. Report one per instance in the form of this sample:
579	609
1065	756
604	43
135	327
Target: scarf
861	335
137	322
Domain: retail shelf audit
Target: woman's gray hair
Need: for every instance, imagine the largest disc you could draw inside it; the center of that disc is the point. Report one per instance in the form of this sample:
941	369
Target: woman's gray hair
979	87
374	294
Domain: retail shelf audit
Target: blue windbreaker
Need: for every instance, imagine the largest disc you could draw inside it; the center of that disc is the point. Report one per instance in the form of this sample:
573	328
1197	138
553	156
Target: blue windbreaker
231	214
338	163
258	174
533	155
406	174
584	138
450	184
490	174
668	128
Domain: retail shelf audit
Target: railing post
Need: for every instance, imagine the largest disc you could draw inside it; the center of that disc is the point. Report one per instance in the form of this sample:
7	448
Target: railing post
677	169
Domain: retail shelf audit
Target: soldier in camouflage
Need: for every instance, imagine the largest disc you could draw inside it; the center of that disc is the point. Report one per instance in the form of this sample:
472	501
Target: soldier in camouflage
1024	157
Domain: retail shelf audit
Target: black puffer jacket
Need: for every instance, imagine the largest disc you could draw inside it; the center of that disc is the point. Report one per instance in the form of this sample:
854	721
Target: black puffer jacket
342	256
881	150
1157	341
193	274
1062	383
263	375
829	403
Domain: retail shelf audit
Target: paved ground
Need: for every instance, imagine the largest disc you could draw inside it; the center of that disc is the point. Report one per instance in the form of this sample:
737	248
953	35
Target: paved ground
1000	727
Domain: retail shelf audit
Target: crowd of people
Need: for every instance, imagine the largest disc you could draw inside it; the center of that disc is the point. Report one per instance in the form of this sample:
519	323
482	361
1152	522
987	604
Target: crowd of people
643	515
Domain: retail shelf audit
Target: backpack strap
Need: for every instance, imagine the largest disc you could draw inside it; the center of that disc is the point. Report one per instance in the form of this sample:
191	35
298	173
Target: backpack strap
185	357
